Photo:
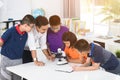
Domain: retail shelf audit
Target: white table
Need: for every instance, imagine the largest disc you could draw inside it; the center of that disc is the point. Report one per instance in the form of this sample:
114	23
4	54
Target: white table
47	72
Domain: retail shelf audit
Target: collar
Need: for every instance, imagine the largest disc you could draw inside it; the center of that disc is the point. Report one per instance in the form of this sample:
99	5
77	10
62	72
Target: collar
38	33
92	49
18	30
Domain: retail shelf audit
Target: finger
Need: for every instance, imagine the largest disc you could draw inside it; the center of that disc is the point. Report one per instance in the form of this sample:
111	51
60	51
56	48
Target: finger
41	64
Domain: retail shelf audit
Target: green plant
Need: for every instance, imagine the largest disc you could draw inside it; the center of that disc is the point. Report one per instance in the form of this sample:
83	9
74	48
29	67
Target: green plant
117	53
111	10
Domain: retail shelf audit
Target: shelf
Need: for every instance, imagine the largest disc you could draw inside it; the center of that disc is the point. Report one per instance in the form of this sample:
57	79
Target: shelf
10	21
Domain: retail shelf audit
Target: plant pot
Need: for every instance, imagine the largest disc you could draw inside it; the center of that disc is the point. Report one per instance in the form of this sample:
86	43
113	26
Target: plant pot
117	54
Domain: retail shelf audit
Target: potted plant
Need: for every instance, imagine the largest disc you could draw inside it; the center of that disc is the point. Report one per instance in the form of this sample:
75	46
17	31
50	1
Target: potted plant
111	11
117	54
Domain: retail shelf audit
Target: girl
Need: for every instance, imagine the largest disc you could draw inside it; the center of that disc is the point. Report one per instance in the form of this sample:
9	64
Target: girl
73	56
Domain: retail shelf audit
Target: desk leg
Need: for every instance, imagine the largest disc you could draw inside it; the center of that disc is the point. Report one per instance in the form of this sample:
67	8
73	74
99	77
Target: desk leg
7	25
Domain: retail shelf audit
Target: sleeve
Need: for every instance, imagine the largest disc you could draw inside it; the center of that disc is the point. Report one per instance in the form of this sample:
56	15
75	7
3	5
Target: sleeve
65	28
74	54
6	35
31	41
43	40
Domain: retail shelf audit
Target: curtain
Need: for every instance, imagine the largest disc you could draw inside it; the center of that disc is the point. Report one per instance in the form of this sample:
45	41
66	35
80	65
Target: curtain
71	8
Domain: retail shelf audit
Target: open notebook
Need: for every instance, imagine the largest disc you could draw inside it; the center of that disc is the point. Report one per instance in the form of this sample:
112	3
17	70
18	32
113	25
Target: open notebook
64	68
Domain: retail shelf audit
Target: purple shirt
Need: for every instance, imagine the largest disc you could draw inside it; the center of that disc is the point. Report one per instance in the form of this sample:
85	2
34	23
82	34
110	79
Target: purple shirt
54	40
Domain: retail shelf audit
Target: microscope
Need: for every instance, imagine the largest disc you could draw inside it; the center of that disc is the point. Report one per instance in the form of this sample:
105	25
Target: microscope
61	57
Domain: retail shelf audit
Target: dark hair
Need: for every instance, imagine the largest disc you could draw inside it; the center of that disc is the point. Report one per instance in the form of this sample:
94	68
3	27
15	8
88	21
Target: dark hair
54	20
69	36
28	19
82	45
41	21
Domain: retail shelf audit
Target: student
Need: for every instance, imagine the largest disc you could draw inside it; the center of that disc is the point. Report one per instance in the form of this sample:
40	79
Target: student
37	36
54	34
73	56
12	43
98	56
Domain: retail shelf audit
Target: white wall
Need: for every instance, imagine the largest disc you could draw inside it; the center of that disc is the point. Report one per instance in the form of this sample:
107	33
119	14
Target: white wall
3	10
51	7
15	9
18	8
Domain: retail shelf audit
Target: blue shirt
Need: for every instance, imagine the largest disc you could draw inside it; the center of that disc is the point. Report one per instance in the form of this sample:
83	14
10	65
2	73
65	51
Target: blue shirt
14	42
106	59
54	40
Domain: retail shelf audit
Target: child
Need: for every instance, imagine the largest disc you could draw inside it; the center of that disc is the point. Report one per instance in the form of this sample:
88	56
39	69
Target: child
98	56
69	39
54	34
12	43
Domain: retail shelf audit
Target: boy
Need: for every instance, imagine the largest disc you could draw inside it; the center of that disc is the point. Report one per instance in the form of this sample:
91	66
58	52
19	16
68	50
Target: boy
98	56
12	43
54	34
37	36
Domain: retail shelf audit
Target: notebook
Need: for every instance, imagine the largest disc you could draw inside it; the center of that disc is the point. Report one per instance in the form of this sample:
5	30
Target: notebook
64	68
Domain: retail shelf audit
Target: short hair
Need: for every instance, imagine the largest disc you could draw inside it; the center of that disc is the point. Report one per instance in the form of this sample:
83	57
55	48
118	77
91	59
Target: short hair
41	21
69	36
28	19
82	45
54	20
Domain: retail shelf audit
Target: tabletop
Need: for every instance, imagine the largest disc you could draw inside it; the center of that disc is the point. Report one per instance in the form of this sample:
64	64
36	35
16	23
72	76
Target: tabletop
48	72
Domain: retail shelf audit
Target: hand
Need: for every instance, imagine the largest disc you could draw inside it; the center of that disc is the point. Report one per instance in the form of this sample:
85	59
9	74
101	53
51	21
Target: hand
76	68
53	55
39	63
52	58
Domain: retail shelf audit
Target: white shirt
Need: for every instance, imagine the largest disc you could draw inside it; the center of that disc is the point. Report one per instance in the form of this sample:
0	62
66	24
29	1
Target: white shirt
36	40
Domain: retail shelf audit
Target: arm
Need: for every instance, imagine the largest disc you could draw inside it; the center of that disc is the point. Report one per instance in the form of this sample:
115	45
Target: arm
48	54
32	47
34	56
6	35
73	56
1	42
75	60
86	67
44	48
80	60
